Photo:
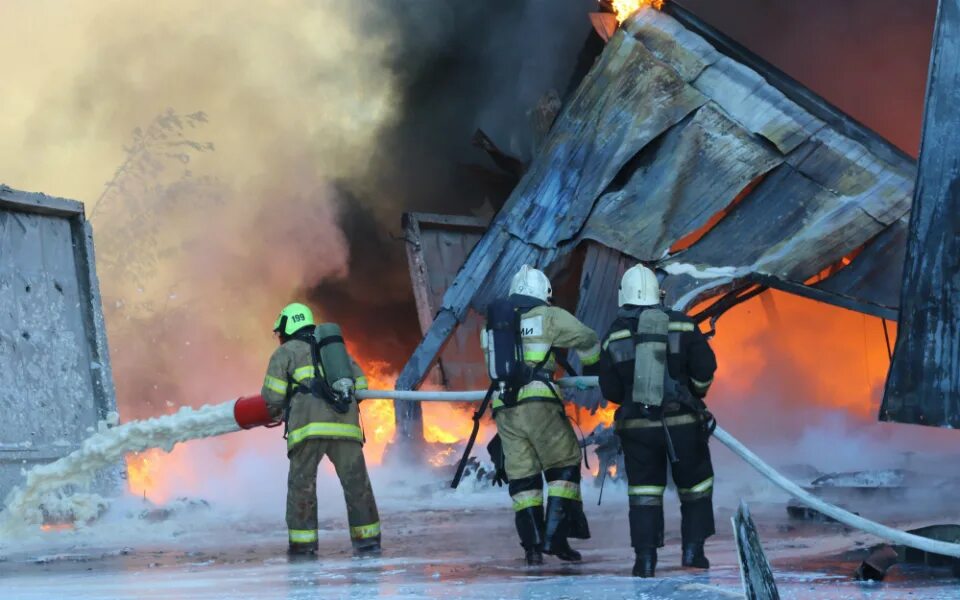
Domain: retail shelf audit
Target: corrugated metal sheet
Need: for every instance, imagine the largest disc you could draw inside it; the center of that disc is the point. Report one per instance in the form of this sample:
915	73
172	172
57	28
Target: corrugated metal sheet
56	380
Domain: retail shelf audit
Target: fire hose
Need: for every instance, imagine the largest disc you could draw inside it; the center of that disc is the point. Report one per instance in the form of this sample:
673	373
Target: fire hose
835	512
108	446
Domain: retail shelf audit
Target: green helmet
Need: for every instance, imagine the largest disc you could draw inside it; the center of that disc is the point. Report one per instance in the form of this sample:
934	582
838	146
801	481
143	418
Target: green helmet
292	318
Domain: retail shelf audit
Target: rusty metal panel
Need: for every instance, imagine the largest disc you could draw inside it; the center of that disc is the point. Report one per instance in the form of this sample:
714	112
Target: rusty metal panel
55	380
685	51
792	226
438	245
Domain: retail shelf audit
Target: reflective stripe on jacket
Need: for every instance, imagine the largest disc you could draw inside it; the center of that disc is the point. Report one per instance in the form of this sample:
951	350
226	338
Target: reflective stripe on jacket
310	416
546	327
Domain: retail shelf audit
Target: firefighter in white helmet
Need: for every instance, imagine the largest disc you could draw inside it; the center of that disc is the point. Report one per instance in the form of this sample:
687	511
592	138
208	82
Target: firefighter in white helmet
536	437
657	365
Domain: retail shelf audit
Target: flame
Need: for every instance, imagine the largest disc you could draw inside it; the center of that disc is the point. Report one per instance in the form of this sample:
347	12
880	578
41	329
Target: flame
783	353
141	466
57	527
379	421
625	8
444	457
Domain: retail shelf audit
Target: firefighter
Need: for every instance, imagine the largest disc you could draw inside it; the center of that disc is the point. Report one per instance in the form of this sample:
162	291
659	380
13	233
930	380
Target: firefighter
537	439
318	425
633	375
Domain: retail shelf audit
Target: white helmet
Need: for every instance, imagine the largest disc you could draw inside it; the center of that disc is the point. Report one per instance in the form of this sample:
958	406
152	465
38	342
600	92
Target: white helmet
639	287
531	282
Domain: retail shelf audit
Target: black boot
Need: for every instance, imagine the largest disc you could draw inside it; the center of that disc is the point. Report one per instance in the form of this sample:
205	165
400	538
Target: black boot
646	562
301	550
562	550
367	548
564	518
693	556
529	522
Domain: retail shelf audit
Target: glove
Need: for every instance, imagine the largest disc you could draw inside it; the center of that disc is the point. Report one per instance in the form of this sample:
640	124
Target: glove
495	448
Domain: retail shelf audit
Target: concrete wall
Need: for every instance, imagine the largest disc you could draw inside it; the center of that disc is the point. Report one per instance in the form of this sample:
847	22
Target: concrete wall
55	378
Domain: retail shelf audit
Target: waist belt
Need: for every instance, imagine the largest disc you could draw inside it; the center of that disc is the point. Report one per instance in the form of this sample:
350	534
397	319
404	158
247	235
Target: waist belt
671	420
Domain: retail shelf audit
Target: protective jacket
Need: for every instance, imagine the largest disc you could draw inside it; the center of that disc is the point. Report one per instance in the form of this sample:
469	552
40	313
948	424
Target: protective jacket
309	416
537	438
690	363
316	430
690	366
544	330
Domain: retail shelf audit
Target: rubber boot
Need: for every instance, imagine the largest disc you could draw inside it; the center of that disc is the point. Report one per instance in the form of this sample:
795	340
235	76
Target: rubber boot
559	515
645	564
367	548
529	522
302	550
562	550
693	556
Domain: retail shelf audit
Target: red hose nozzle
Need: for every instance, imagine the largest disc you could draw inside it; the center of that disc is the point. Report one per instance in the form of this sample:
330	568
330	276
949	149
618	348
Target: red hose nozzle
251	411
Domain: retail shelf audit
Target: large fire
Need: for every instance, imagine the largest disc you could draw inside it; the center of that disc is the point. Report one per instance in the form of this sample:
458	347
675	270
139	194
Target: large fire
781	359
624	8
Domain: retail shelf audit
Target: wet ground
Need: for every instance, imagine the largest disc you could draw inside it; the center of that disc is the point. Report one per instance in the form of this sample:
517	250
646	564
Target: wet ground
442	545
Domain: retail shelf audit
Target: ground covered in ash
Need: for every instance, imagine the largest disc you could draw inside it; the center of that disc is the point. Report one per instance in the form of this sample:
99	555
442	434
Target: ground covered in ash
439	543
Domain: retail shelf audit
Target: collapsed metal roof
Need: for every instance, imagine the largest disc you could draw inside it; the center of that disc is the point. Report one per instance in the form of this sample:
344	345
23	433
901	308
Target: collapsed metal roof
678	134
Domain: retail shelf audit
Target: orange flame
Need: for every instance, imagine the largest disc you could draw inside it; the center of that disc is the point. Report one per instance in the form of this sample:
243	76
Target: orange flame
625	8
141	473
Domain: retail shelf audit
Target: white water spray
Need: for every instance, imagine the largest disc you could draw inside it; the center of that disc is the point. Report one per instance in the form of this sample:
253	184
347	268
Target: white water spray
102	450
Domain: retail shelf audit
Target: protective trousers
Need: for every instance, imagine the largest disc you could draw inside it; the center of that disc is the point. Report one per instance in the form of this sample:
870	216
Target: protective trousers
539	441
347	459
645	455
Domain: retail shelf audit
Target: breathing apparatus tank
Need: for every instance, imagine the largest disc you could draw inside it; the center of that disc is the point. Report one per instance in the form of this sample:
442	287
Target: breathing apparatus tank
335	363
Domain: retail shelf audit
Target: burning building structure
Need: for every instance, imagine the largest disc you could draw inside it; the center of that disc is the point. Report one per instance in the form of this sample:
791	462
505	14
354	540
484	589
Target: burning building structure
683	150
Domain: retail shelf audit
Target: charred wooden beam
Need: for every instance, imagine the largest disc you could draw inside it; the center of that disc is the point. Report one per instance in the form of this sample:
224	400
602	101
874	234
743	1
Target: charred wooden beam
923	386
755	571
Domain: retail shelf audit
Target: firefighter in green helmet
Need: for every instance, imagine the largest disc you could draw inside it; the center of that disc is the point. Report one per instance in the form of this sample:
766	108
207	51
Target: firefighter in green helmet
315	397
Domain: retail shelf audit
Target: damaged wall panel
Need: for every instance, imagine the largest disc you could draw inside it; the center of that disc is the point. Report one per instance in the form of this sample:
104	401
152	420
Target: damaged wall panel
56	382
873	277
693	172
924	381
437	246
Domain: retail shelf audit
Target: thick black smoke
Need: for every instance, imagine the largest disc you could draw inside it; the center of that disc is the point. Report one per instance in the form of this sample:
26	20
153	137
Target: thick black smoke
460	66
